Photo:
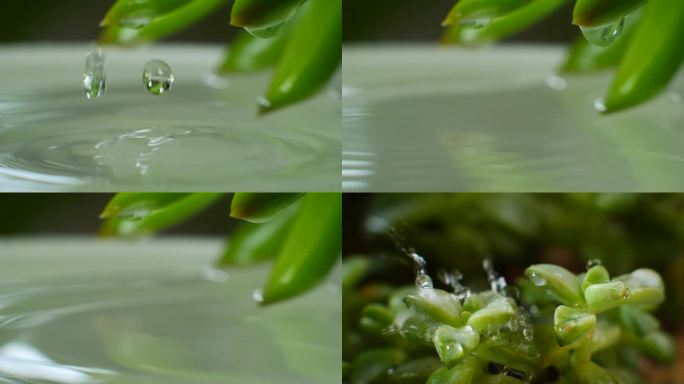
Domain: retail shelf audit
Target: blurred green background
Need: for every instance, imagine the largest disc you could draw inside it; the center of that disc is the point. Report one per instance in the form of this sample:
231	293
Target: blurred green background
78	20
78	213
419	20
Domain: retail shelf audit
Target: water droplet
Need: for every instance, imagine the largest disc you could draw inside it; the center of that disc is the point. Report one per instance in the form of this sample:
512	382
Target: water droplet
418	261
497	283
556	82
620	291
423	281
476	21
157	77
604	35
537	279
528	333
593	262
137	19
258	295
600	105
94	78
265	32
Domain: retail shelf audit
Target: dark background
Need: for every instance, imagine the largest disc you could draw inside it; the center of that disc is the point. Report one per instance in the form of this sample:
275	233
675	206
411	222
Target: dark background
78	20
67	213
399	20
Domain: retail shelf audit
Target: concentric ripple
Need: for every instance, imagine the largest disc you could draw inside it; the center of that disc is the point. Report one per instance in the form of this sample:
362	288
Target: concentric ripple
205	134
75	311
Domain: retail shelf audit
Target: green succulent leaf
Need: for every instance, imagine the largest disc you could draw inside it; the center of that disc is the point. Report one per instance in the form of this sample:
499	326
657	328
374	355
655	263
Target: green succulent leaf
654	56
312	54
502	27
593	13
595	275
252	243
310	250
495	314
249	54
125	24
261	207
369	366
659	346
437	304
452	344
142	214
459	374
572	325
260	14
376	319
561	283
481	12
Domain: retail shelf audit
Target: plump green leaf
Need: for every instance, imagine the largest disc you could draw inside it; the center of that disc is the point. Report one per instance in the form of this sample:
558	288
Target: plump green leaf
572	325
558	281
312	54
252	243
593	13
310	250
248	53
260	207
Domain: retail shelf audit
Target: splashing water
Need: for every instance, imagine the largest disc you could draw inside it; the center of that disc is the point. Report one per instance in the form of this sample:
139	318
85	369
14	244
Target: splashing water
453	279
604	35
157	77
497	282
94	78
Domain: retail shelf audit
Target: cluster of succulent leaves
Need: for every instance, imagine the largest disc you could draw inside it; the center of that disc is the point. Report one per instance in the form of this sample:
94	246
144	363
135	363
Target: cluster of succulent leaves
300	38
648	52
624	231
558	328
301	232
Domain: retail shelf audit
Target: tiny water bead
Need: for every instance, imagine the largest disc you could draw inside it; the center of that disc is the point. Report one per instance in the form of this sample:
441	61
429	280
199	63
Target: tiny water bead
94	78
604	35
537	279
593	263
157	77
423	281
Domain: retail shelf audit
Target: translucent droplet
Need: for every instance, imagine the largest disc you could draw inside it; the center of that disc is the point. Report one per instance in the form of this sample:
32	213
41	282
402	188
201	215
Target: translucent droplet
593	262
418	261
157	77
265	32
604	35
94	78
423	281
497	283
600	105
620	291
476	22
258	295
537	279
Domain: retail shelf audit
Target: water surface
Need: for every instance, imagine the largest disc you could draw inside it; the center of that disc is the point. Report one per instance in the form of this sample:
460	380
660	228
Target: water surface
422	118
204	134
75	311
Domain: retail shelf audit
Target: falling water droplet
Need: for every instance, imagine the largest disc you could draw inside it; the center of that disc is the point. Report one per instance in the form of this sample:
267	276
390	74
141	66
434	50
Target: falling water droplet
604	35
423	281
258	295
94	78
157	77
537	279
419	262
497	283
593	262
600	105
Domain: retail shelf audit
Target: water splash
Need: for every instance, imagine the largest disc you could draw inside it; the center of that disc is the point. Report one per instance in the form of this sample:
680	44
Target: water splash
604	35
157	77
453	280
497	282
94	77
